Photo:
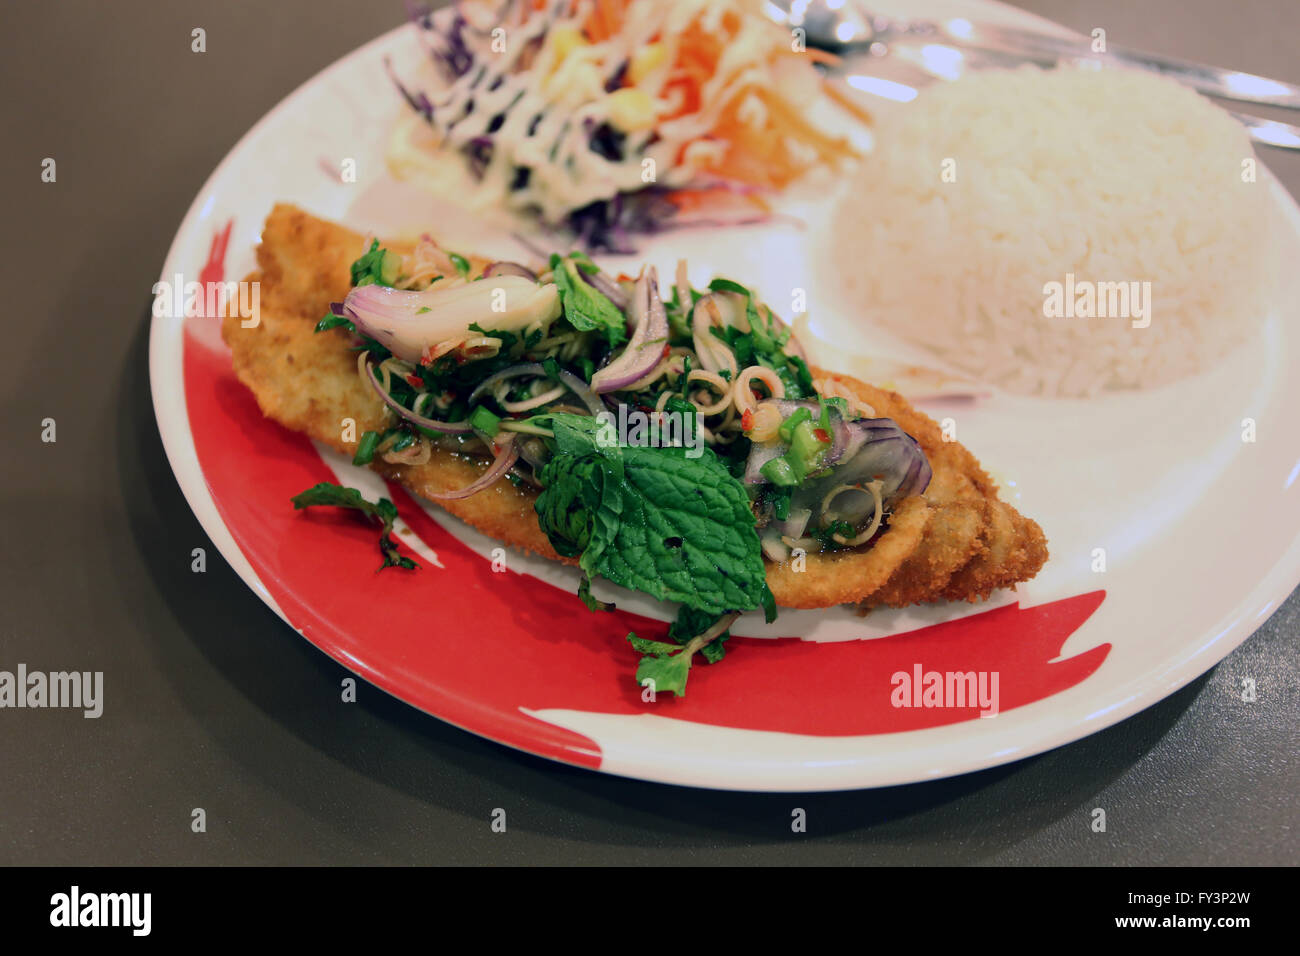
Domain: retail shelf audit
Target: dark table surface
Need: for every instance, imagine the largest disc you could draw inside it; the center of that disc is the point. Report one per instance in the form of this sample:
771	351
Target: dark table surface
215	703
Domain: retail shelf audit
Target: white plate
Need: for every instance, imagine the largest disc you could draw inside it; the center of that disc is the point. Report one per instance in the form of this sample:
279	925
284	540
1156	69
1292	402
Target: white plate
1199	527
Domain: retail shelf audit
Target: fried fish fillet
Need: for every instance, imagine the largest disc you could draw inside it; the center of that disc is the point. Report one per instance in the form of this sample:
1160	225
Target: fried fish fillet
956	541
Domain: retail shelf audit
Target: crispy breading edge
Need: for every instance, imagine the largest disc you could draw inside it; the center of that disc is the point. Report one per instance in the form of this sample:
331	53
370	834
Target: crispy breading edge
308	382
843	577
1011	547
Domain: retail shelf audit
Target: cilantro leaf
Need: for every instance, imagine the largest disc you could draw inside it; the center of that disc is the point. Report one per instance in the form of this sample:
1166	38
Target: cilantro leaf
333	321
759	330
585	307
726	285
383	511
376	266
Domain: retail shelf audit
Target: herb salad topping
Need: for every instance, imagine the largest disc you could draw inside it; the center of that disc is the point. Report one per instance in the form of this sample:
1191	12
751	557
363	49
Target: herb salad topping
735	454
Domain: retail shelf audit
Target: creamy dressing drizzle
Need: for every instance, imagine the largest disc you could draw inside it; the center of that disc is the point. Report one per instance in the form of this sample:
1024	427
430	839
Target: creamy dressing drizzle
540	120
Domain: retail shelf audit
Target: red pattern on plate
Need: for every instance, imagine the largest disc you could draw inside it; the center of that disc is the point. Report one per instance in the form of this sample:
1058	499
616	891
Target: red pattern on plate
473	646
214	270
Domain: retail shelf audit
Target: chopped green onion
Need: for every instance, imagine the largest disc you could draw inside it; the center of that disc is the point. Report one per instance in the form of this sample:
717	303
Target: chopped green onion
786	431
389	267
460	262
805	449
366	448
827	403
485	421
781	504
779	472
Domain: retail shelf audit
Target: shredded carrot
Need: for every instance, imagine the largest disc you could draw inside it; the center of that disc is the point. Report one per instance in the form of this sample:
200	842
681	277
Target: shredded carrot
779	110
756	155
717	199
606	19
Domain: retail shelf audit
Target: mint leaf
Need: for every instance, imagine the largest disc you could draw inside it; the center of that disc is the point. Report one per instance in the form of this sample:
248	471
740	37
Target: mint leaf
690	624
669	665
665	670
644	646
383	511
714	651
686	533
585	307
651	519
574	507
769	604
678	528
589	599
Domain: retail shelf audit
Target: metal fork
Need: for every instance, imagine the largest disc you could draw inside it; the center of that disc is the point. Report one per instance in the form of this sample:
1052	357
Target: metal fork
844	28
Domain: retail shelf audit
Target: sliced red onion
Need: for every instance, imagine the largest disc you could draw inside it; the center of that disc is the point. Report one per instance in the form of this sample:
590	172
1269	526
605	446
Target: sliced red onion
646	348
509	269
860	452
507	455
568	379
580	388
761	454
406	323
513	371
533	450
446	428
608	288
918	476
886	451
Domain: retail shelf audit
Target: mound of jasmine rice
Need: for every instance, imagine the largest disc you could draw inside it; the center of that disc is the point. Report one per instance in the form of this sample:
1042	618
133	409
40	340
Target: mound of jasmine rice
1062	232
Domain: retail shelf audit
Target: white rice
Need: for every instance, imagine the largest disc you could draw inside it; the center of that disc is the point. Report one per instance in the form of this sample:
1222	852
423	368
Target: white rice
1111	176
